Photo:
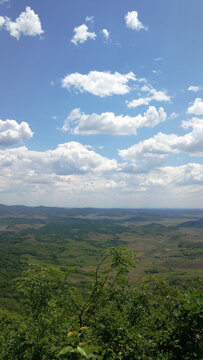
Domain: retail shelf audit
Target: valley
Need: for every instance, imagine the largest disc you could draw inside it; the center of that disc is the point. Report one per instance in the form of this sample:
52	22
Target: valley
167	243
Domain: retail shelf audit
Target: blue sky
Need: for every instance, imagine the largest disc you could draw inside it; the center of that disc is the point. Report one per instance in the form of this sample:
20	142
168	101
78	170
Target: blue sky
101	103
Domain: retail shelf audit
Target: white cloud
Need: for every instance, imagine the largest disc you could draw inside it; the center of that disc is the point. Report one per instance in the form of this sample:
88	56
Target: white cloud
28	23
74	175
12	133
3	1
133	22
194	88
69	172
74	158
188	174
156	72
138	102
67	159
109	123
158	59
82	34
162	144
2	21
155	94
191	123
173	115
152	95
89	19
99	83
143	80
106	34
185	175
196	108
143	165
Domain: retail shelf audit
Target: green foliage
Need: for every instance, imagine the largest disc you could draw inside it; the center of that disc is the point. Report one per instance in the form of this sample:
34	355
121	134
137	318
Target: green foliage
115	319
82	348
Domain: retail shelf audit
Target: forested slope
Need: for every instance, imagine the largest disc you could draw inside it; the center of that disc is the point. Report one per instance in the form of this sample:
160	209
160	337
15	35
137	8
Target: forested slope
114	319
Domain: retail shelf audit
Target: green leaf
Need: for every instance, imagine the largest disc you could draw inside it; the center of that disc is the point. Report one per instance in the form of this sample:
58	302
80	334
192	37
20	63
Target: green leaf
66	350
90	349
82	351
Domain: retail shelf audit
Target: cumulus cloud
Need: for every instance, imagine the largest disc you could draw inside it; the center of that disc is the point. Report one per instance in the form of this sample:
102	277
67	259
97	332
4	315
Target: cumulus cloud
99	83
152	95
69	173
27	23
74	175
143	165
196	108
67	159
188	174
82	34
105	33
138	102
133	22
77	156
194	88
108	123
159	145
174	184
155	94
162	144
12	133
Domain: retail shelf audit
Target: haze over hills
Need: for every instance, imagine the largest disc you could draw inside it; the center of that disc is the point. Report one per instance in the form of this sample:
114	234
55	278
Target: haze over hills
112	212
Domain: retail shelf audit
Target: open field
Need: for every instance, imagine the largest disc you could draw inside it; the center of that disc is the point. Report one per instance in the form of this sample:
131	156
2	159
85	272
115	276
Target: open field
168	243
